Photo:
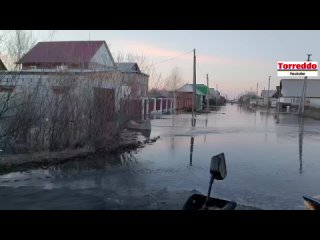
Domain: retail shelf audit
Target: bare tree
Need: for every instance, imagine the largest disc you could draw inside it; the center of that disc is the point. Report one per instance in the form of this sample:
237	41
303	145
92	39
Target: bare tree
13	45
65	109
156	80
173	82
16	44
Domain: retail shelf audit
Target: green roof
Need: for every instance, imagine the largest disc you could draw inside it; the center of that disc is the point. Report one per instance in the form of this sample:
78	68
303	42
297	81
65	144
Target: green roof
202	88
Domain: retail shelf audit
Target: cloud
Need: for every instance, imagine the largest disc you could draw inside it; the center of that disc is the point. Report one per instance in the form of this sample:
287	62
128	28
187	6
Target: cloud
233	74
152	51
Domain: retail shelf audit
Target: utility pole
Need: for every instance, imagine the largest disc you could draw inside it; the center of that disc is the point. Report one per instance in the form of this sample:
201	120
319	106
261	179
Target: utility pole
194	98
268	92
257	89
304	89
207	93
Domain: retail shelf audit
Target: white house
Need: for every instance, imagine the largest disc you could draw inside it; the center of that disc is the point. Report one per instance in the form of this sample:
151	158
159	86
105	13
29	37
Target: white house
49	63
291	92
72	91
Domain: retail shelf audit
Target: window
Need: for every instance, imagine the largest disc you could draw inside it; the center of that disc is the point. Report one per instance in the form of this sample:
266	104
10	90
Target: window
7	89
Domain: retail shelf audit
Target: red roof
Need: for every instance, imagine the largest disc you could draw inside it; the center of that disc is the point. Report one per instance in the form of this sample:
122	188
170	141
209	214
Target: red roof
62	52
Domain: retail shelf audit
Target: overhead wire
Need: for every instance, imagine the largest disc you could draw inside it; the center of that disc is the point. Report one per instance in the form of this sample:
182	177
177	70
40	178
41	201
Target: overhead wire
169	59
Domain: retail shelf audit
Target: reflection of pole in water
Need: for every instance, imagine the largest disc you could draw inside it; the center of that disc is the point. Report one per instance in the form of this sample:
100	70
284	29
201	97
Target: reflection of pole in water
173	119
172	144
278	113
301	123
172	138
255	118
205	136
191	149
206	119
266	129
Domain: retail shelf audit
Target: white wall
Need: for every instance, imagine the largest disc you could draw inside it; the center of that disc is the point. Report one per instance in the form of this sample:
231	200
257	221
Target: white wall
315	102
23	82
103	57
293	87
292	91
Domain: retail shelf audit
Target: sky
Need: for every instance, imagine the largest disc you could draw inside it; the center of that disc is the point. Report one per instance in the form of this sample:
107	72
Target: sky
235	60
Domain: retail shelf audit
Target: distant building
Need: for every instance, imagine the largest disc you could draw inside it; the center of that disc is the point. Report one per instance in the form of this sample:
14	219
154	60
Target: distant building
185	95
291	92
271	95
264	93
132	75
214	94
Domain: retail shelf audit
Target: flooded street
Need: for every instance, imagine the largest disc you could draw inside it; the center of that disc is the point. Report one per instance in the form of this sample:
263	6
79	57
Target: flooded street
271	163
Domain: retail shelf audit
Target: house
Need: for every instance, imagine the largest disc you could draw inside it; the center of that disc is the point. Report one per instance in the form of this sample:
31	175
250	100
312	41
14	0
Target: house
214	94
271	95
266	93
89	62
2	66
184	96
291	92
89	55
76	88
58	65
134	77
205	91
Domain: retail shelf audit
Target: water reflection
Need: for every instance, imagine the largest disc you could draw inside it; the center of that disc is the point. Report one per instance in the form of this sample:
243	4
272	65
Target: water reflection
145	132
96	161
246	109
193	121
206	124
207	120
172	143
266	126
285	122
301	126
191	149
254	178
255	118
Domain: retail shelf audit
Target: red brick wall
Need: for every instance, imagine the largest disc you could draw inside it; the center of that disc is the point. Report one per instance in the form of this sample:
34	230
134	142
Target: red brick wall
184	100
151	105
158	104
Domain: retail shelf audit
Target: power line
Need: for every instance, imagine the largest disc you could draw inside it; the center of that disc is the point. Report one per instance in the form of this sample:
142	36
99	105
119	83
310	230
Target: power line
169	59
201	70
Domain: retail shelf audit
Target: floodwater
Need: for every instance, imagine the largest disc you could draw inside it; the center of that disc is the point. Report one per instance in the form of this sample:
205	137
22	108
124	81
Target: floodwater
271	163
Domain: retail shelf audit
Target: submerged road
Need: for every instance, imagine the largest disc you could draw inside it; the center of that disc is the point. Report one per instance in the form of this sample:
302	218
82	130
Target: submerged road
270	165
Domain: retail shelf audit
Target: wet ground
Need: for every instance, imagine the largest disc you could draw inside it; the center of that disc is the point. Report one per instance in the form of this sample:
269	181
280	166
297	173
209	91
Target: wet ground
271	163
